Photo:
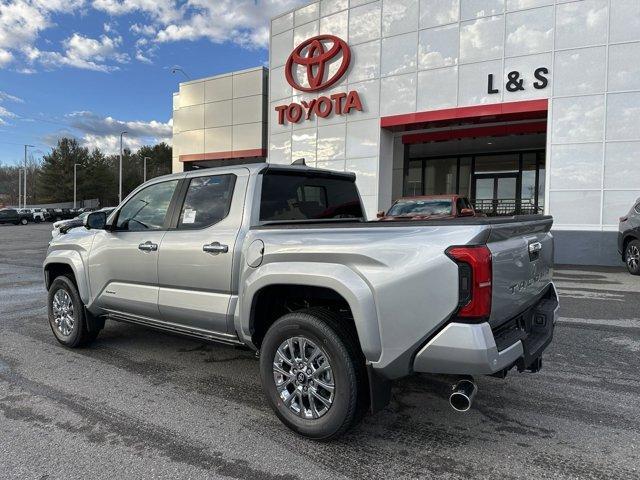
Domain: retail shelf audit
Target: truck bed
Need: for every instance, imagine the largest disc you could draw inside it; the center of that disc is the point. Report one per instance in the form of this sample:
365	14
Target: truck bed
350	223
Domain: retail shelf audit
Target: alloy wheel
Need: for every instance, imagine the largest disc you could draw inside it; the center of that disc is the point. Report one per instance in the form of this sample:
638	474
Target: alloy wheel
63	314
303	377
633	257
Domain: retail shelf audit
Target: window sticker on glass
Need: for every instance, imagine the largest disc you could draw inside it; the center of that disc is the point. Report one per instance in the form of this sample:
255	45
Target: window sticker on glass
189	216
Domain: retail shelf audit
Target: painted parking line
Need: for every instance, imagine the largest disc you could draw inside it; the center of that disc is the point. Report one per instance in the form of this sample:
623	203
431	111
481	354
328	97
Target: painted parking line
622	322
581	294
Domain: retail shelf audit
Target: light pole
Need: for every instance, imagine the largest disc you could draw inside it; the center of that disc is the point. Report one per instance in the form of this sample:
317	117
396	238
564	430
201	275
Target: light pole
75	176
144	174
25	174
120	184
19	186
178	68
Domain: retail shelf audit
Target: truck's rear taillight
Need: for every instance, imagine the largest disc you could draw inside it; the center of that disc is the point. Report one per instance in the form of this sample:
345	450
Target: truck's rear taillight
474	267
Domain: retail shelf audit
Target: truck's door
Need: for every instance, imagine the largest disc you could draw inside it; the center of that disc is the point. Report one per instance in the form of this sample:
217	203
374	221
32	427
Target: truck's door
195	264
123	264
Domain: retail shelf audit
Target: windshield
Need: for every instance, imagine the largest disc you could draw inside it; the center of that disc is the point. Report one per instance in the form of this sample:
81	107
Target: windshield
421	207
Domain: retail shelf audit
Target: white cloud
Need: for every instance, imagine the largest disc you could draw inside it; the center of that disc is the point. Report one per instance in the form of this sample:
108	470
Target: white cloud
86	49
21	22
145	30
5	57
104	132
4	113
245	22
4	96
82	52
163	11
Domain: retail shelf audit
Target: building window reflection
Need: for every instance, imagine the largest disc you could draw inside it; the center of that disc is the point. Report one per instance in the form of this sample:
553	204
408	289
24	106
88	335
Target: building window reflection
497	184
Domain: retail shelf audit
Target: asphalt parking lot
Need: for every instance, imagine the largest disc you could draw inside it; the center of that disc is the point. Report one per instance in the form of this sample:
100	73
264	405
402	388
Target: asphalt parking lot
143	404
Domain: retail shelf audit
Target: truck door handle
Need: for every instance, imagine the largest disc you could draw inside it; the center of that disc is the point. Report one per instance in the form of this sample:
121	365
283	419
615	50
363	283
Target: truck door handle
215	248
148	247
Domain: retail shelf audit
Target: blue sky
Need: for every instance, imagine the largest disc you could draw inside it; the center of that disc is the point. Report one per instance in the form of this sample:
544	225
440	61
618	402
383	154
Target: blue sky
92	68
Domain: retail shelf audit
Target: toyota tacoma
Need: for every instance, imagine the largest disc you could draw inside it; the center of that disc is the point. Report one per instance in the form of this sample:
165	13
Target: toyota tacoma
281	259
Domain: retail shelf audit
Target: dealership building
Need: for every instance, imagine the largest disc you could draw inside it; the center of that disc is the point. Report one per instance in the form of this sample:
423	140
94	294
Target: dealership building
522	105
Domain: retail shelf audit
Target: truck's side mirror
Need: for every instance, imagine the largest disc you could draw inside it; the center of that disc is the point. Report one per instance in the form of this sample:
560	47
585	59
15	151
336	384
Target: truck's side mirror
95	221
466	212
380	214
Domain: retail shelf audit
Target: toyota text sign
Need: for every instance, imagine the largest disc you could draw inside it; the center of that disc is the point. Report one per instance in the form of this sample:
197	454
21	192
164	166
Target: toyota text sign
308	69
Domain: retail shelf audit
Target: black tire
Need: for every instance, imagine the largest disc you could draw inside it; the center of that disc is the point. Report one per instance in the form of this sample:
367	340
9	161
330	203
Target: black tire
79	334
37	219
327	331
24	221
632	257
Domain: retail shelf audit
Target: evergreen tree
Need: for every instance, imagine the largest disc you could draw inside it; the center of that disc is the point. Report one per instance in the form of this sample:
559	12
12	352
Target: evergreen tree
96	179
55	179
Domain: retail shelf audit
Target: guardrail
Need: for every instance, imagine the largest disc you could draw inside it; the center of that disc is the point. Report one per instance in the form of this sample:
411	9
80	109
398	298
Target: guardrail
506	207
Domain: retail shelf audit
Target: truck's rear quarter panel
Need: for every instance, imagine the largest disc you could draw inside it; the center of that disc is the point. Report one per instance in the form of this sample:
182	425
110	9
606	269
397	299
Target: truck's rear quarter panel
413	284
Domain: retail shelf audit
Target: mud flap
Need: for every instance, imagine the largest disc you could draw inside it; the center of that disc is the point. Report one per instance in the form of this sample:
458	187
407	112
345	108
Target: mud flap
379	391
94	324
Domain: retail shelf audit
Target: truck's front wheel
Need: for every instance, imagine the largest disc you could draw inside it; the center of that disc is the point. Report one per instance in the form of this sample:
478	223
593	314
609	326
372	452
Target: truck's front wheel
313	373
67	318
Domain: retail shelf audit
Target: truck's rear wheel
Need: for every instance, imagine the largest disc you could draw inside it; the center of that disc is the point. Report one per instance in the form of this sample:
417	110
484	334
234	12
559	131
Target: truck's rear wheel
67	318
313	373
24	221
632	257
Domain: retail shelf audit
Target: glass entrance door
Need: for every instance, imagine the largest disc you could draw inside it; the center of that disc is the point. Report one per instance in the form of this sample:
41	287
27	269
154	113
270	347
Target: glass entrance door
496	183
496	194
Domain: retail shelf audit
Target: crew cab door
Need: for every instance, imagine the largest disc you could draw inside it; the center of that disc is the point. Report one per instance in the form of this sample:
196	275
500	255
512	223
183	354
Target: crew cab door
123	263
196	257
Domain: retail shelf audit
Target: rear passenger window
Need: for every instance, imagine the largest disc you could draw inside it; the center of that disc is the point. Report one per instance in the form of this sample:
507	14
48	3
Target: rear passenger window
207	202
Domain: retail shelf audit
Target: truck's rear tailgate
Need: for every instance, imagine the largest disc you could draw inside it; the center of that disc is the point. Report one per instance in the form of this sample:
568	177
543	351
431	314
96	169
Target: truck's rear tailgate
522	254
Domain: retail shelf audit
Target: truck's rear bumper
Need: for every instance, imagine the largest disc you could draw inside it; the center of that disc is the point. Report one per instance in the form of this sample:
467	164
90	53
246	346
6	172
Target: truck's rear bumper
473	349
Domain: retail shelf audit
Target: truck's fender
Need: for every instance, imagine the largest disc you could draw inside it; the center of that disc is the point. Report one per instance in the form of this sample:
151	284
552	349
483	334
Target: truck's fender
338	278
72	259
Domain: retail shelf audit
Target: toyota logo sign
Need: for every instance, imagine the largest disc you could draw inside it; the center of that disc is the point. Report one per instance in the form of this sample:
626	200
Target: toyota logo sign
313	55
312	59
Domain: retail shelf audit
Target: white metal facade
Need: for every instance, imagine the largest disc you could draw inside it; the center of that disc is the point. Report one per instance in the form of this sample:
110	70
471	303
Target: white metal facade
420	55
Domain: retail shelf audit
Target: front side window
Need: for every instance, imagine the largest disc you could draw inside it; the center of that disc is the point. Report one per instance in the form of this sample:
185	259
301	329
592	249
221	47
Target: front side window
207	202
147	209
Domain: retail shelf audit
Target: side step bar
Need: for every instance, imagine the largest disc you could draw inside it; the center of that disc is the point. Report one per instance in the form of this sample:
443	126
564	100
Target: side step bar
173	328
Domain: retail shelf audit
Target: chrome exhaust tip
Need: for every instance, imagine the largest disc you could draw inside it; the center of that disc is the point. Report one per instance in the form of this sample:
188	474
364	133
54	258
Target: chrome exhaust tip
462	396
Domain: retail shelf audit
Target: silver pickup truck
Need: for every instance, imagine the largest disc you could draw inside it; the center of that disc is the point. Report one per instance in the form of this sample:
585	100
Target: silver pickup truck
282	260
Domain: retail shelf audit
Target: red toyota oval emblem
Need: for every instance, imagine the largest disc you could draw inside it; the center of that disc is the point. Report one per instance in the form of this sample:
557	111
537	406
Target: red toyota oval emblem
313	55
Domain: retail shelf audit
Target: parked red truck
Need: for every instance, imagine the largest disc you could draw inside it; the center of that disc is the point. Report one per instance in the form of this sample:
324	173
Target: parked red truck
429	206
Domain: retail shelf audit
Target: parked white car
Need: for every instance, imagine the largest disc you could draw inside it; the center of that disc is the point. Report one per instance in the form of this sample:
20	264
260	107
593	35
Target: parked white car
38	214
63	226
